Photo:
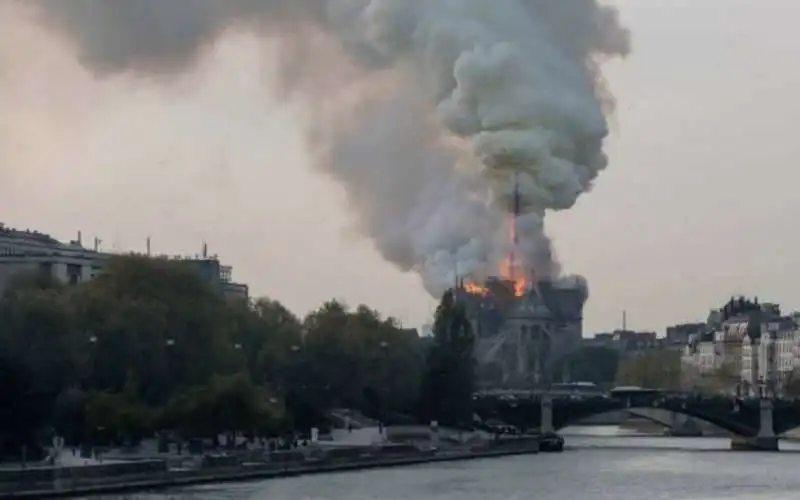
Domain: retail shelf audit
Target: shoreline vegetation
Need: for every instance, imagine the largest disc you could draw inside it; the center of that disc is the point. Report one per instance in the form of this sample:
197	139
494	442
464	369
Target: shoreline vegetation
149	349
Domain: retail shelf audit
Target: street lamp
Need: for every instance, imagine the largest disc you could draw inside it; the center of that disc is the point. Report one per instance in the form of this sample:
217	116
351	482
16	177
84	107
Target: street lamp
89	367
169	343
382	389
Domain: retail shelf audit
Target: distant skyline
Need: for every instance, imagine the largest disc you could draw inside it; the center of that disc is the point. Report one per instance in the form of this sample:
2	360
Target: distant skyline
697	203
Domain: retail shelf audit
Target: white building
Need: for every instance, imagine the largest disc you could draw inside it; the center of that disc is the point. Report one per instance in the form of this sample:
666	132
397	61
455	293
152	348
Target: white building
71	263
699	359
770	357
31	251
747	347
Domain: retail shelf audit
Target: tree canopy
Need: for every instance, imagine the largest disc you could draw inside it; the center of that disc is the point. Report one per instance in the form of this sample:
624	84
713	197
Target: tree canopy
654	369
148	345
597	364
450	378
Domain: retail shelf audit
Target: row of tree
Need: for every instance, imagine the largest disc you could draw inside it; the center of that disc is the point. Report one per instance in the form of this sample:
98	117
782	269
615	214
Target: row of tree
608	367
149	346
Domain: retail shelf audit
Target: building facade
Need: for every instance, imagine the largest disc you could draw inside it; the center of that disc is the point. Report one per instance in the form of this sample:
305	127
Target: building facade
519	337
747	347
25	251
771	359
682	333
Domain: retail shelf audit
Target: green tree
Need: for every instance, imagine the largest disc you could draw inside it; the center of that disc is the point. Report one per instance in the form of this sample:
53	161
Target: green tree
226	404
654	369
69	416
595	364
36	359
148	345
448	383
154	318
271	337
391	365
791	384
23	407
115	419
725	377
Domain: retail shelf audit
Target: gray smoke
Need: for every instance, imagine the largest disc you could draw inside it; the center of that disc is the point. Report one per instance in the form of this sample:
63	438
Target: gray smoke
424	110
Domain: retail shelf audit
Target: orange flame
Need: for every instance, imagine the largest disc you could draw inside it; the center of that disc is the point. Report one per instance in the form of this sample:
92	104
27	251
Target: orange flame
512	273
475	289
509	270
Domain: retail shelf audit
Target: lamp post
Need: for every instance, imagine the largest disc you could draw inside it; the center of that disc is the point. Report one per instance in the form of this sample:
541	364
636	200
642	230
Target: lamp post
292	395
90	365
383	390
169	344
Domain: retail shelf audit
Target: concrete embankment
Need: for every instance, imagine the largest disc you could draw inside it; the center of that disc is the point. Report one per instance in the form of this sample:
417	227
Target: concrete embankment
66	486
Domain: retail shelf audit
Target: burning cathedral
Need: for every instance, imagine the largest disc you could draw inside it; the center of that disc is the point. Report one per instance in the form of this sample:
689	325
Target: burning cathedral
523	325
521	332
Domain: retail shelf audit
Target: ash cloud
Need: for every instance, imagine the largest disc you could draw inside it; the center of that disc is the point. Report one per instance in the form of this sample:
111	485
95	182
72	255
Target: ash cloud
423	110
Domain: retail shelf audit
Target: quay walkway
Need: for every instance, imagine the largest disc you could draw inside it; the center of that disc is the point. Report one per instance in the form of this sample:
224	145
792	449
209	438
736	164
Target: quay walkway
358	451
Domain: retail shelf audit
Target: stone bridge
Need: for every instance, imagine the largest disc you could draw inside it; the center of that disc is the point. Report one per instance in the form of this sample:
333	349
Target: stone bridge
755	423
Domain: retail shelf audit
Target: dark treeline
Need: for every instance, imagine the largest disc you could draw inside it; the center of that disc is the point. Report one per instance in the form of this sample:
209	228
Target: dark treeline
148	347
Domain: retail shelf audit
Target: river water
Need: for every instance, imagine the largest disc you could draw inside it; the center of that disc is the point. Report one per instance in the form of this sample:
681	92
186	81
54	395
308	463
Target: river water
599	463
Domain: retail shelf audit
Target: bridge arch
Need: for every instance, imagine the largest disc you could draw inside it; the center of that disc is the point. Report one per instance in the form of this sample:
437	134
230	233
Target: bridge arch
525	412
666	418
785	416
660	417
568	416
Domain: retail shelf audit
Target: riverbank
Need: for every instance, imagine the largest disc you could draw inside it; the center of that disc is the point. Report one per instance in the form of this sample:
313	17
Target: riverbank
246	472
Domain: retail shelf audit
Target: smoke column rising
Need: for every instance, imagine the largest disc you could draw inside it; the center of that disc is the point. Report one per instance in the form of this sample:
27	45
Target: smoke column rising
421	109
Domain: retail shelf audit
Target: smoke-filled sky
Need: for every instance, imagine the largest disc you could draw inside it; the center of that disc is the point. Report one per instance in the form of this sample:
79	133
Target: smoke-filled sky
694	205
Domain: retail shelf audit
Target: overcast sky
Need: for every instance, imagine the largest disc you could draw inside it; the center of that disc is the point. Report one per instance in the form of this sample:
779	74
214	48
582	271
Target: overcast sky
696	205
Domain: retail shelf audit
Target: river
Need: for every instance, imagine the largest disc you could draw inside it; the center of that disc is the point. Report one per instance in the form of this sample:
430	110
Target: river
599	463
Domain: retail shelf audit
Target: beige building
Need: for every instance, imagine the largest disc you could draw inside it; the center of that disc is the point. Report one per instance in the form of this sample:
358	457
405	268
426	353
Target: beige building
770	357
747	348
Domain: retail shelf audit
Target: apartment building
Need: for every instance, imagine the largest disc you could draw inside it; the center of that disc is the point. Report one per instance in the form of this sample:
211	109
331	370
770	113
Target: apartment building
771	356
747	347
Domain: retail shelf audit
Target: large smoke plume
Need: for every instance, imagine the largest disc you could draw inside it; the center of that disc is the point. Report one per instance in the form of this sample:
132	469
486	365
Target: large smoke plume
422	109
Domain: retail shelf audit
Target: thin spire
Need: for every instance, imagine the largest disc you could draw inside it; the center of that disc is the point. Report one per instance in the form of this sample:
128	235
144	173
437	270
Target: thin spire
515	209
